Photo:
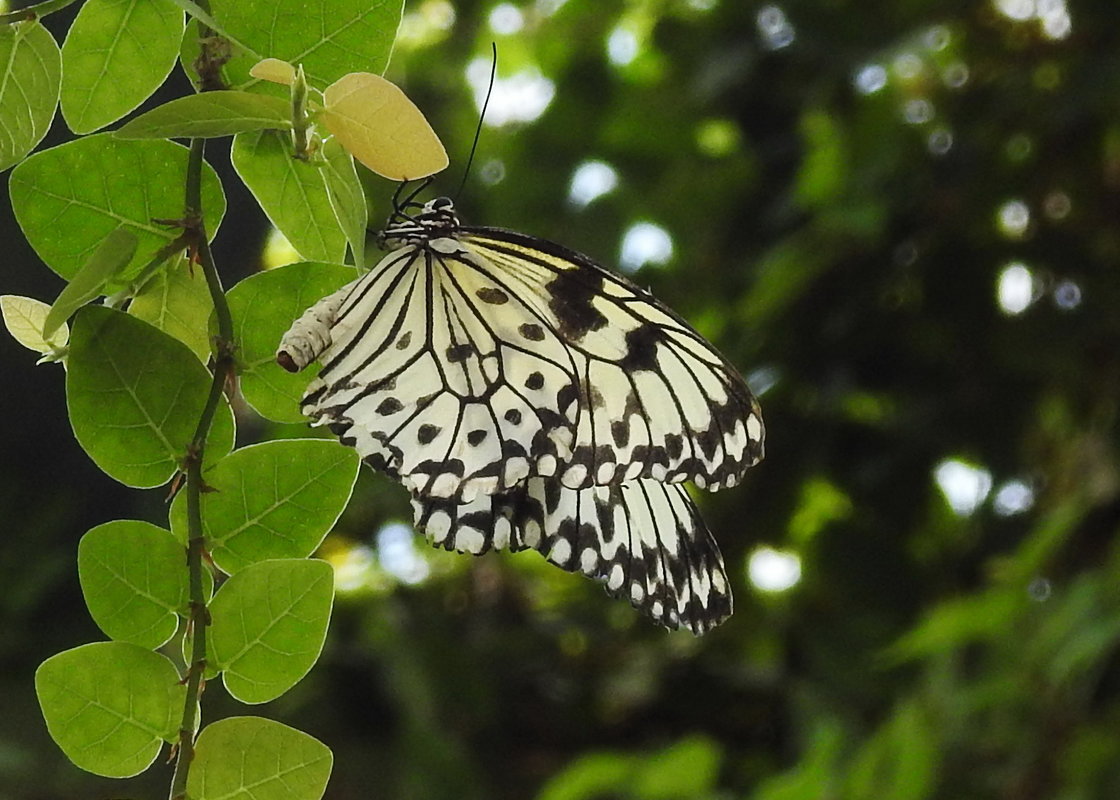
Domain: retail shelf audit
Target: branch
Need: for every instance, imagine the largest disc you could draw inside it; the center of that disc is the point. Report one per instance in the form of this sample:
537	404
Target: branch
34	12
223	372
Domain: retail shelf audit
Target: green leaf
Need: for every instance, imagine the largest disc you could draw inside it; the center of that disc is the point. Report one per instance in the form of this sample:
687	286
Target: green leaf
272	500
66	207
688	768
210	114
900	761
24	318
116	55
328	40
812	777
135	396
348	201
821	503
107	260
823	177
177	301
30	80
959	621
263	307
134	580
590	776
292	192
251	758
110	705
269	625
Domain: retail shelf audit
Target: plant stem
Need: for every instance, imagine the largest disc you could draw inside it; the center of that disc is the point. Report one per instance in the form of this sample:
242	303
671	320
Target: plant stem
223	370
34	12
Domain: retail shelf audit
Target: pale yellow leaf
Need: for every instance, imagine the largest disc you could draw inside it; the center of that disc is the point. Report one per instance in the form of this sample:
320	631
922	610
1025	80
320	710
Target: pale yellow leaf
377	123
24	318
274	70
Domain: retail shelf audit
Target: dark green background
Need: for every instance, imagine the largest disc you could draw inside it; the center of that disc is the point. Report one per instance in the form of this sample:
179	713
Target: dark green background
829	252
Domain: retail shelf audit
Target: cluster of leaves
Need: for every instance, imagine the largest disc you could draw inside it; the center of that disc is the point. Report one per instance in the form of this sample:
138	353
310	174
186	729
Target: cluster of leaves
231	573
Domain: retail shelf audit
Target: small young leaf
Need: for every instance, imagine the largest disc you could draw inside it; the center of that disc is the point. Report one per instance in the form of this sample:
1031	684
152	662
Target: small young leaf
107	260
116	54
275	71
66	209
263	306
292	193
348	201
24	318
135	396
328	40
110	705
208	115
30	80
269	622
382	128
272	500
134	581
177	301
258	759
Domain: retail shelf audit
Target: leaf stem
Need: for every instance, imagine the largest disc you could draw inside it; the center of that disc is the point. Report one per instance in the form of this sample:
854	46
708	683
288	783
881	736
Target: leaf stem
34	12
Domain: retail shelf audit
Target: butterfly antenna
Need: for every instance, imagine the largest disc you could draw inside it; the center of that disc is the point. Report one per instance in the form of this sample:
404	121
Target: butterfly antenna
481	117
397	194
400	207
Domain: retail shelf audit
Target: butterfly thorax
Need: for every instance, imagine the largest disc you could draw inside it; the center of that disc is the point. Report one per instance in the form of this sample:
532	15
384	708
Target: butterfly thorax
435	220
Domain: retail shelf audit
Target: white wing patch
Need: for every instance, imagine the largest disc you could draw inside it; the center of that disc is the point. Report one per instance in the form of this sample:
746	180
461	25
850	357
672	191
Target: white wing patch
643	540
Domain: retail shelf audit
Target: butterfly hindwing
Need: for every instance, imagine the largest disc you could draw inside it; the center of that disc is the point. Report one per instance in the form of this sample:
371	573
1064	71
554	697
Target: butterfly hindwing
643	540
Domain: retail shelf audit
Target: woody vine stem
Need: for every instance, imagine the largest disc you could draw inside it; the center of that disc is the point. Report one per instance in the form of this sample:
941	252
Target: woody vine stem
199	618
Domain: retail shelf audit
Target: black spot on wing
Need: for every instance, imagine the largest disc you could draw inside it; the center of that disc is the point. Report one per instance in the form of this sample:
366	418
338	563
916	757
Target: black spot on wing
492	295
641	349
571	293
531	331
459	352
389	406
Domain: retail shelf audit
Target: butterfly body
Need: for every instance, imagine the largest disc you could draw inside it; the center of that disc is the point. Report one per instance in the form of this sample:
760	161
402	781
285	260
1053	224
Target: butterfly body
529	398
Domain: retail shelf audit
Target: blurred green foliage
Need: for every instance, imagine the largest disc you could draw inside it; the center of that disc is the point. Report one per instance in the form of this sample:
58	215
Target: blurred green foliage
856	194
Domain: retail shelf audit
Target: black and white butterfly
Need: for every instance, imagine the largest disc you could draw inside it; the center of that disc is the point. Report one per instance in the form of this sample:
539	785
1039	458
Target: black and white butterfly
529	398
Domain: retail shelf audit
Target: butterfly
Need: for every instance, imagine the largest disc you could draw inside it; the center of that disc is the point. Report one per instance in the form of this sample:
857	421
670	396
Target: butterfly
529	398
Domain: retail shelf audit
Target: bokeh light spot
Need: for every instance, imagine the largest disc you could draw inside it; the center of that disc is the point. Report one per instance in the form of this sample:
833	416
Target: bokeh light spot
1015	291
645	243
773	570
964	486
590	181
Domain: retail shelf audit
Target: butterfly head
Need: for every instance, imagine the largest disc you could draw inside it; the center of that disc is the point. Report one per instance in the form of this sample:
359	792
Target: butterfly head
434	220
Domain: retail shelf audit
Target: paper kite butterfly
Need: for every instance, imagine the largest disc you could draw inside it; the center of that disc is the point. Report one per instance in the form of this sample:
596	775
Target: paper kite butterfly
527	397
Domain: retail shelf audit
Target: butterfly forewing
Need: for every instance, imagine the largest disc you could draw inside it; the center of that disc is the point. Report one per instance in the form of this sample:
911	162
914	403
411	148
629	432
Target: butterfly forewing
643	540
429	374
656	399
